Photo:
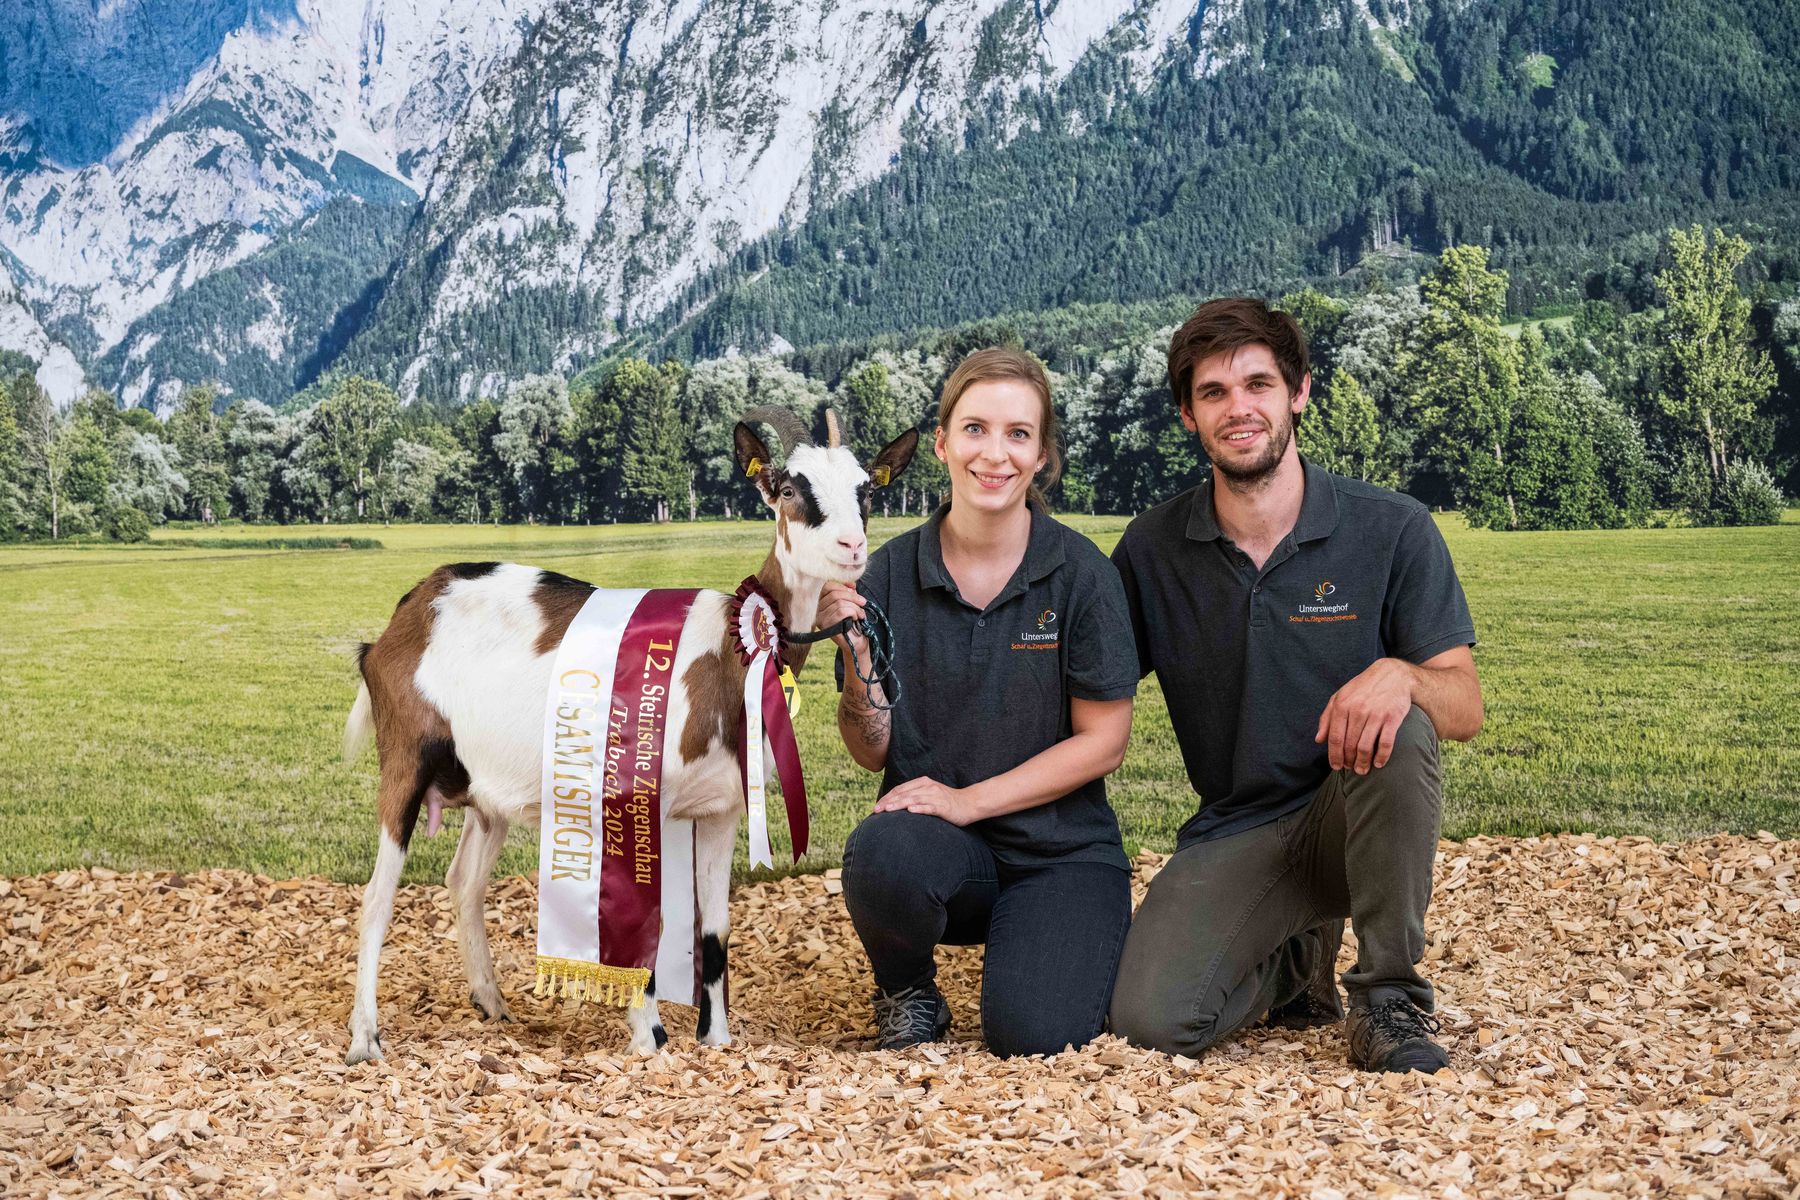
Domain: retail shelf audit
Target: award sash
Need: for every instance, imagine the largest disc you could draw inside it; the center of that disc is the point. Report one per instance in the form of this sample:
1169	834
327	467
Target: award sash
607	910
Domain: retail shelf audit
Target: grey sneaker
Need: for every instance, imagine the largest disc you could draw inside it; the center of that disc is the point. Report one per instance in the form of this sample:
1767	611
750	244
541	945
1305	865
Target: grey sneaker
1394	1036
907	1018
1317	1003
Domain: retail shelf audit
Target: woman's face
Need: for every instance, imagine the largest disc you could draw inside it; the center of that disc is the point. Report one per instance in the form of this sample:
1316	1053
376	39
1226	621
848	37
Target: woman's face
993	445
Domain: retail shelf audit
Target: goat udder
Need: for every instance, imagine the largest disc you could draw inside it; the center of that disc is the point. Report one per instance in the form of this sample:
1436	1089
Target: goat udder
434	811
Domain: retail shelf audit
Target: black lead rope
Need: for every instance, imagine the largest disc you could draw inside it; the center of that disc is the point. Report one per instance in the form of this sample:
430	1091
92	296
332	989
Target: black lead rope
880	635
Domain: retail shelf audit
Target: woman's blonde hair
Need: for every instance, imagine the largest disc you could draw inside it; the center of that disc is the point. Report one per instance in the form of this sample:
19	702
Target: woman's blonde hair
1004	362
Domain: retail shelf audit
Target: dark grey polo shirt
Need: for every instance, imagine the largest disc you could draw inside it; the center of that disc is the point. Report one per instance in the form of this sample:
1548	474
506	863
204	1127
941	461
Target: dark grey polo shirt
1248	659
985	689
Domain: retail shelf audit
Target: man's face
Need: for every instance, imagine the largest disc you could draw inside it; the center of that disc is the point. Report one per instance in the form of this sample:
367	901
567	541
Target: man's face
1242	410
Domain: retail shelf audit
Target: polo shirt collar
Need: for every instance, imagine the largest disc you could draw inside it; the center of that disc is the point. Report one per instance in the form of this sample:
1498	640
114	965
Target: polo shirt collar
1318	508
1043	552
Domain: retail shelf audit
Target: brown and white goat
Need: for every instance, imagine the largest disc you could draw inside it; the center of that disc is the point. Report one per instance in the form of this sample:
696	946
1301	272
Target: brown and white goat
453	693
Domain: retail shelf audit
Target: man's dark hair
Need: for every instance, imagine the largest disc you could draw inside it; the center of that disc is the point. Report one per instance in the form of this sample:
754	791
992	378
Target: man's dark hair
1227	324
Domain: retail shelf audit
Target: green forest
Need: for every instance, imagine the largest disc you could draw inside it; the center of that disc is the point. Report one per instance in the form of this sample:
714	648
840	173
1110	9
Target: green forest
1606	416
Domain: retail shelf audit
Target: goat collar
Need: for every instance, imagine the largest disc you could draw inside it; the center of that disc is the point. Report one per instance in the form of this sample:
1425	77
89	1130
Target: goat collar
754	617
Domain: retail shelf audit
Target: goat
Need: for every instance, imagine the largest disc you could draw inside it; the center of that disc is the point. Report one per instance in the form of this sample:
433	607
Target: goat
453	694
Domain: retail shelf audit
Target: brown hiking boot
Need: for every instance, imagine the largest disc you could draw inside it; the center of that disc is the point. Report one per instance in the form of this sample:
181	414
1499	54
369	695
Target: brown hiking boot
1317	1002
1394	1036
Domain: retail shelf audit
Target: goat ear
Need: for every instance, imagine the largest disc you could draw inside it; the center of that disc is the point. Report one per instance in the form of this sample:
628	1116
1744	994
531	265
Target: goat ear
754	459
893	459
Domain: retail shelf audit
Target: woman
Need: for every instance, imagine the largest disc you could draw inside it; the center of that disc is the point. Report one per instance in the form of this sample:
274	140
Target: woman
1017	668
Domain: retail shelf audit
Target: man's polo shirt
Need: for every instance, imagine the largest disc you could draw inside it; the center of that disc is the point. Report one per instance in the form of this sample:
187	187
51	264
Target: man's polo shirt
1248	659
984	689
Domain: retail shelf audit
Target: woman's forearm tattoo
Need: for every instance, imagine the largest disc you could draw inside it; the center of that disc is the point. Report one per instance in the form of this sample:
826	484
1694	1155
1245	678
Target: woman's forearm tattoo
870	724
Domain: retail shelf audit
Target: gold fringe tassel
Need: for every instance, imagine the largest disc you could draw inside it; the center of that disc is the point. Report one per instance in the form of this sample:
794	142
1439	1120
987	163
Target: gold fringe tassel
573	979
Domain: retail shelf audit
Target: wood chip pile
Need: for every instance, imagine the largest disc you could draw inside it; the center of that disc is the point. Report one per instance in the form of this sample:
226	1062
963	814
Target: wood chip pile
1621	1017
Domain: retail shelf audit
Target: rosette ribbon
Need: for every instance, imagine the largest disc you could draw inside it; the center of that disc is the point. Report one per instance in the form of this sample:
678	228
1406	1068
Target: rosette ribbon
755	618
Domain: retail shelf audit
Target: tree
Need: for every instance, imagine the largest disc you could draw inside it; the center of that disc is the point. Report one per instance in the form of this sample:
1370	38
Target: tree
914	379
1712	379
306	472
253	449
654	466
533	421
414	469
1465	387
12	471
1626	473
40	471
356	425
82	467
866	403
1123	428
1319	317
477	429
1375	342
147	475
1340	431
715	398
199	435
1553	473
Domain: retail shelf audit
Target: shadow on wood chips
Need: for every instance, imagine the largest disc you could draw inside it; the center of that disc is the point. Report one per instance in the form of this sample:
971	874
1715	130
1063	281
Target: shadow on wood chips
1621	1018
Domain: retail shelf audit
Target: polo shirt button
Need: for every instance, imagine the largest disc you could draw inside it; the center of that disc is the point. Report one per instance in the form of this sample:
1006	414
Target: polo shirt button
981	621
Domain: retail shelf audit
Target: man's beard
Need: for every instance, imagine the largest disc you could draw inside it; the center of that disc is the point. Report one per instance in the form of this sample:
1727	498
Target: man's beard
1250	476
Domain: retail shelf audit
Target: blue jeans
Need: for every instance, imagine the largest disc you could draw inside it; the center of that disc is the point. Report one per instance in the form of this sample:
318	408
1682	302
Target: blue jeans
1053	932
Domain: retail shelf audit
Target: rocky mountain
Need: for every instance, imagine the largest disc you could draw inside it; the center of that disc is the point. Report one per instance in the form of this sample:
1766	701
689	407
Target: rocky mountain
633	145
453	193
701	177
59	372
147	144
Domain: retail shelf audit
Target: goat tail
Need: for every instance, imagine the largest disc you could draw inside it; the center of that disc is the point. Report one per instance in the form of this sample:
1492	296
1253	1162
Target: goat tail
359	726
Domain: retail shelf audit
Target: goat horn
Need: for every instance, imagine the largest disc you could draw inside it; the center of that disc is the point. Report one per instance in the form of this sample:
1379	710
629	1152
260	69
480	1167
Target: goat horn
832	436
786	425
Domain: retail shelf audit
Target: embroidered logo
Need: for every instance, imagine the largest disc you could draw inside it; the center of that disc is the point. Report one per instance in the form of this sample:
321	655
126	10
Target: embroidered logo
1323	610
1046	637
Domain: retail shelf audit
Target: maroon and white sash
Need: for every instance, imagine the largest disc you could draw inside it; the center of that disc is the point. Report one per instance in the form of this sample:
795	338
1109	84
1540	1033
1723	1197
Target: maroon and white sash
615	876
616	885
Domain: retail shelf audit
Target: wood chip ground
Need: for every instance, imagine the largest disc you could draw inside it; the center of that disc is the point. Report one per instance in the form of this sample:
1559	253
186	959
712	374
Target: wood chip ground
1621	1017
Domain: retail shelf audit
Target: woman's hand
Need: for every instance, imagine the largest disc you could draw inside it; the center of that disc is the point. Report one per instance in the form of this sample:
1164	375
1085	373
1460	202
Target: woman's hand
840	600
928	796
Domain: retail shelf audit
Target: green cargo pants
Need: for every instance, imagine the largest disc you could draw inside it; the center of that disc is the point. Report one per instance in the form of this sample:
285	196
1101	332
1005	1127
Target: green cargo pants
1237	925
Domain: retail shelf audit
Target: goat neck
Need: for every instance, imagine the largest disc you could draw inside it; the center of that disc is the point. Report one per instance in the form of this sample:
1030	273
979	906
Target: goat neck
797	595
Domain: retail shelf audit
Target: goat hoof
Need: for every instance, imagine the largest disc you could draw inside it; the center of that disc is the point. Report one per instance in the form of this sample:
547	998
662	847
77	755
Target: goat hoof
495	1010
363	1051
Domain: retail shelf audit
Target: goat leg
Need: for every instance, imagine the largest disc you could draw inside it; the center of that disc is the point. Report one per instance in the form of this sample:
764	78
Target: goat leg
483	837
377	912
712	870
647	1033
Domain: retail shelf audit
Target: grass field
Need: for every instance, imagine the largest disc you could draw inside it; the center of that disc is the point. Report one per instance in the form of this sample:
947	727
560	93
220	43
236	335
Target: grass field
179	707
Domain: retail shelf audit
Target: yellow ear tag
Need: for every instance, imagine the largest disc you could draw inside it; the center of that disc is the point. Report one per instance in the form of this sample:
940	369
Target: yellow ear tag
753	467
882	476
790	687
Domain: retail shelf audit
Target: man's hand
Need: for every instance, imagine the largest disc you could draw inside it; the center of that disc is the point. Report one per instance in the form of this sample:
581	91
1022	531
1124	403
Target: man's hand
1363	717
925	795
840	600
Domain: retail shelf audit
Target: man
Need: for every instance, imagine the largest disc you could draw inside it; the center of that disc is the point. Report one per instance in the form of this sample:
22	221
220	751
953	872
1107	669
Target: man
1314	644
